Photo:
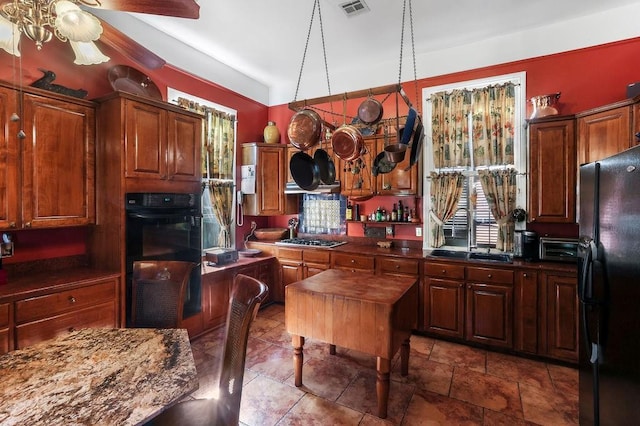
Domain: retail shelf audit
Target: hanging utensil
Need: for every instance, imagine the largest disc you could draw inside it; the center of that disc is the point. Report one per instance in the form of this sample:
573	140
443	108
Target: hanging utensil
370	111
305	129
305	171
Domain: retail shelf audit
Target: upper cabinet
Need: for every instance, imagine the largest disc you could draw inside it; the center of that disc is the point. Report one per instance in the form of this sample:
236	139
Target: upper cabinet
269	167
49	175
552	157
160	144
605	131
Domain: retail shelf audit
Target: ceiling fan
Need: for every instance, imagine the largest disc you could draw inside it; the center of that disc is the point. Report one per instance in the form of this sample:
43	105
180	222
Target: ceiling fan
39	20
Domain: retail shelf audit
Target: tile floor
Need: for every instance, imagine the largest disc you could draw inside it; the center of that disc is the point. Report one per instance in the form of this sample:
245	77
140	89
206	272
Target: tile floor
448	384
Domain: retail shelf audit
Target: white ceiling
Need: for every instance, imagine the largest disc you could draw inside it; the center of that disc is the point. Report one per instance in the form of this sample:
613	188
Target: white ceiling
255	47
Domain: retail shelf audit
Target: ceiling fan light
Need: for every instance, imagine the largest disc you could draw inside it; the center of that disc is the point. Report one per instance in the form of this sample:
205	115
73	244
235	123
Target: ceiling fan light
87	53
9	36
38	34
77	25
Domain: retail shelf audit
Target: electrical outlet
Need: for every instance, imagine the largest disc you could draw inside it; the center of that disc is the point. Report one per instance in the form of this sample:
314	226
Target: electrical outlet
390	231
418	231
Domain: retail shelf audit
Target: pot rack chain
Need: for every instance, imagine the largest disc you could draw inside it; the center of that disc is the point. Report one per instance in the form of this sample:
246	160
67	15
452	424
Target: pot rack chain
413	47
316	3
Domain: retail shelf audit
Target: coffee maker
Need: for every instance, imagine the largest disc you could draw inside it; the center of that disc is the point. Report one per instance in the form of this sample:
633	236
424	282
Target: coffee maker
525	245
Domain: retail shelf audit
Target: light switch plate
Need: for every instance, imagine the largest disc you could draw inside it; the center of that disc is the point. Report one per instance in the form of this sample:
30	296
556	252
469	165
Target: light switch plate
418	231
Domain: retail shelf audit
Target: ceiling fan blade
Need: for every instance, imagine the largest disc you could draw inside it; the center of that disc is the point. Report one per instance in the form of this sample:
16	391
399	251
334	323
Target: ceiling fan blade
178	8
115	39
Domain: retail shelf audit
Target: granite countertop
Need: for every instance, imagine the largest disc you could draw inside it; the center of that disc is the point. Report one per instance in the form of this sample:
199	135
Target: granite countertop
96	376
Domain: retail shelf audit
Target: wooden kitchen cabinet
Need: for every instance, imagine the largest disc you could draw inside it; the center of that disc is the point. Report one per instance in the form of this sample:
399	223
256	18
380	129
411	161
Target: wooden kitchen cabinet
443	299
356	180
605	131
297	264
399	181
553	170
270	171
353	262
216	289
5	329
47	177
489	306
394	266
161	144
559	330
92	304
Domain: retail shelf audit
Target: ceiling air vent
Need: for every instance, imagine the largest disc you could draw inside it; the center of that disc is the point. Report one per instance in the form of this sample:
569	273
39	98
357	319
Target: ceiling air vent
353	8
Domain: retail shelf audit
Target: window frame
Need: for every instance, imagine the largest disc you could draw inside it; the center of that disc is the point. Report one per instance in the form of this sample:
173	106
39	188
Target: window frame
521	145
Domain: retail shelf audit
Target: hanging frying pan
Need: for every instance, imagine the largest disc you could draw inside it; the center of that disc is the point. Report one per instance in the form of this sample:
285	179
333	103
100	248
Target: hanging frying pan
305	171
409	126
305	129
347	142
326	166
416	145
381	165
370	111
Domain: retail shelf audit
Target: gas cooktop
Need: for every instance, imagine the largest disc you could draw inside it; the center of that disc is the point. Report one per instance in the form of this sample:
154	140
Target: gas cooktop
309	242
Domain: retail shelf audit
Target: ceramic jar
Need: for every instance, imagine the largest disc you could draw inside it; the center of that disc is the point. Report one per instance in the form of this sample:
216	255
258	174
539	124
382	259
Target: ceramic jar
271	133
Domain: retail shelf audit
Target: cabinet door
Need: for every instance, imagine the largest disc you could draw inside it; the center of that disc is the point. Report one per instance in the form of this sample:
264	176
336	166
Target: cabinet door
9	188
355	177
184	147
290	272
526	312
603	134
399	181
58	187
562	317
552	182
145	141
270	180
489	317
443	309
215	299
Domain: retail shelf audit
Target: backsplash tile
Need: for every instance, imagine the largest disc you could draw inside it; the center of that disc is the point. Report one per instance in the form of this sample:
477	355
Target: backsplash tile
323	214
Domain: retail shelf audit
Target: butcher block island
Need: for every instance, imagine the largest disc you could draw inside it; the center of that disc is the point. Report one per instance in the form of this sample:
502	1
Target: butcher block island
364	312
96	376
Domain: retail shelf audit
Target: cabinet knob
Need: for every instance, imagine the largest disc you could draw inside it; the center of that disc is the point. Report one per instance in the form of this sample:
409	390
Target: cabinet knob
27	225
72	299
525	275
488	275
397	266
353	261
469	286
444	271
12	224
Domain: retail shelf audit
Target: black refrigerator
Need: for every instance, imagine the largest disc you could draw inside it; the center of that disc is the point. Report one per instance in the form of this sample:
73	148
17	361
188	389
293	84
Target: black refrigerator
609	290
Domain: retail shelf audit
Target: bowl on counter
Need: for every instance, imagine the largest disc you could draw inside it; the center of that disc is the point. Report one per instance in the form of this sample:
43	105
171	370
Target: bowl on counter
270	233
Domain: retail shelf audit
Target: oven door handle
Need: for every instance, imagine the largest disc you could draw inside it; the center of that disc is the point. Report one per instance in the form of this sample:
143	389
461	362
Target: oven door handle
159	216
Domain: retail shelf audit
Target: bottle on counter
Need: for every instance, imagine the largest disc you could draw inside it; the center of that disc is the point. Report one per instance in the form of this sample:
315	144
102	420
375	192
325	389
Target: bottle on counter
379	214
400	211
394	213
349	213
356	212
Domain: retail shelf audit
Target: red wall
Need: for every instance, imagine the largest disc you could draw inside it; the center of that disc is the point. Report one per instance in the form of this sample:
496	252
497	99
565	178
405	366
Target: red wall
586	77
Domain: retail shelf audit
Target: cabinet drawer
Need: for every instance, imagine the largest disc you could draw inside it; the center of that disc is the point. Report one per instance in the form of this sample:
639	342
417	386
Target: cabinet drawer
391	265
317	256
444	270
4	315
52	304
353	261
289	253
98	316
489	275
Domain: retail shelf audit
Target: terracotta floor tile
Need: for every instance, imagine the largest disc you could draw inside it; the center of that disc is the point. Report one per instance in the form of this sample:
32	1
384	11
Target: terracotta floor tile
426	408
518	369
459	356
273	361
265	401
548	407
492	418
487	391
425	374
262	325
312	410
325	378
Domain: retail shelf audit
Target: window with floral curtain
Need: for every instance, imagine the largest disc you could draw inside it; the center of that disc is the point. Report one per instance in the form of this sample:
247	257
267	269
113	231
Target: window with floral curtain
475	133
218	171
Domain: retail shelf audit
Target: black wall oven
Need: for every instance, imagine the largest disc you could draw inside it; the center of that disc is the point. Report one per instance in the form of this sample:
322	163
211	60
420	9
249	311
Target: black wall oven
165	226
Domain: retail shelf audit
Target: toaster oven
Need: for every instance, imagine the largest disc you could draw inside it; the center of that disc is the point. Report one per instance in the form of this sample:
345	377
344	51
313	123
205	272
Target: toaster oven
558	249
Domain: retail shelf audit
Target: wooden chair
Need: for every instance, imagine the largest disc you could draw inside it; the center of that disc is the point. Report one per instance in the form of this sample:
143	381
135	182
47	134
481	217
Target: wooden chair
246	296
158	292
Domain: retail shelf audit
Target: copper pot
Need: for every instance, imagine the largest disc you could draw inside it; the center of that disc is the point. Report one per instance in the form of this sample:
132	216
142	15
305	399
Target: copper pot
347	142
305	129
395	152
370	111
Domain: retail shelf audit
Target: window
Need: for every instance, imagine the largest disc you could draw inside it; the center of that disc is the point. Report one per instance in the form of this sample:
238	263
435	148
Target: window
471	224
211	226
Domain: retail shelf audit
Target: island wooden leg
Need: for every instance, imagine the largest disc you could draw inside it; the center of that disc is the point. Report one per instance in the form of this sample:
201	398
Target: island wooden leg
404	358
298	358
382	385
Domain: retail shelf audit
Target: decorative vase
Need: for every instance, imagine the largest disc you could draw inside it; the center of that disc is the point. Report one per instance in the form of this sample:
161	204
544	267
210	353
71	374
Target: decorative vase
271	133
545	105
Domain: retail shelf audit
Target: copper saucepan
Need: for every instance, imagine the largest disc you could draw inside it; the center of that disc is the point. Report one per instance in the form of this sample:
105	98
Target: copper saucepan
370	111
305	129
347	142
